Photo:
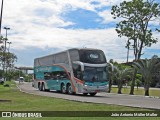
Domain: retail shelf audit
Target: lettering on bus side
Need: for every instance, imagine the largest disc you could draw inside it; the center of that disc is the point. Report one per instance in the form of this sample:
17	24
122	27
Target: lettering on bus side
48	69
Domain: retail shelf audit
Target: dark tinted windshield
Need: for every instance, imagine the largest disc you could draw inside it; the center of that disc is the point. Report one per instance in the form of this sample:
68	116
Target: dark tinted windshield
95	74
92	56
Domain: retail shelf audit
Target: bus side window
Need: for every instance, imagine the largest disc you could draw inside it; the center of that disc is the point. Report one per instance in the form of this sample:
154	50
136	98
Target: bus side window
54	75
64	76
77	71
58	77
47	76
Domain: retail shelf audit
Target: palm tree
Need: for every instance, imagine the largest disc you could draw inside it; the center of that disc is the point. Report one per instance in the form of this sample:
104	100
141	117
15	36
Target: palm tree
110	73
146	68
121	74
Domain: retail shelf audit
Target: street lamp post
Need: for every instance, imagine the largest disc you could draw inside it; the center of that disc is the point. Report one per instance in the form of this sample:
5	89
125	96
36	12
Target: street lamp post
9	45
4	55
6	28
5	38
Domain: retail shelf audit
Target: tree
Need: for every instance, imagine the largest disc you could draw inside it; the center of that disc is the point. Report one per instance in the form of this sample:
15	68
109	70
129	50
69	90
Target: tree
138	81
136	16
121	73
14	74
10	59
146	68
110	73
7	59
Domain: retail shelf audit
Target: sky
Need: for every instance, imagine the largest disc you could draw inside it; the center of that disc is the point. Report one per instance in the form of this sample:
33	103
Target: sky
42	27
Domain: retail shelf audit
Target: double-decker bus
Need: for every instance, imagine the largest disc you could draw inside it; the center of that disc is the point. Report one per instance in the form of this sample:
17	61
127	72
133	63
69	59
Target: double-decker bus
72	71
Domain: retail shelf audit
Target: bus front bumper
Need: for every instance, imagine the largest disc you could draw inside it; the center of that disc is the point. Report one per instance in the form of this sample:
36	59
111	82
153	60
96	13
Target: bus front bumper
95	89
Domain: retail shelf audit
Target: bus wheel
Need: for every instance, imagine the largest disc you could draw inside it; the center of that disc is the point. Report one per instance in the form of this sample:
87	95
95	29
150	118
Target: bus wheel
39	86
85	94
63	90
42	87
92	94
69	89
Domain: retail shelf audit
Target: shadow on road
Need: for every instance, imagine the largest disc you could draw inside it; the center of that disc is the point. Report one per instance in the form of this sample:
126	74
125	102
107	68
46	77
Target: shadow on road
79	95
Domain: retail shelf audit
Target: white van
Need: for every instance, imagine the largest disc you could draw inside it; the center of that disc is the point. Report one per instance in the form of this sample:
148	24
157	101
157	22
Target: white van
21	79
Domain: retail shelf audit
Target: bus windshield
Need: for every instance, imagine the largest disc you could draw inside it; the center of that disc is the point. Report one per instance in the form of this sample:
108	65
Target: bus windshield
95	74
92	56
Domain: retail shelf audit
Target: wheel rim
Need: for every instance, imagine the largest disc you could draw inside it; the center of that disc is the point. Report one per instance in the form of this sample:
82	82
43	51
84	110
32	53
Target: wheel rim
39	87
43	87
63	89
70	89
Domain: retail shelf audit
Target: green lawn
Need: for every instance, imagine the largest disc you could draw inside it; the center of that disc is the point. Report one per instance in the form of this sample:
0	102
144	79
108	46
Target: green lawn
139	91
26	102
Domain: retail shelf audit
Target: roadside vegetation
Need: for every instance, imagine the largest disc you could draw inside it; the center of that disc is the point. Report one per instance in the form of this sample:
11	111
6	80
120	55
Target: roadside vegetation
135	18
122	75
140	91
22	102
18	101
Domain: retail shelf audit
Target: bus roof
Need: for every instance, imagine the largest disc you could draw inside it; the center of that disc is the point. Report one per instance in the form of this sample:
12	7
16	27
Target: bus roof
68	50
76	54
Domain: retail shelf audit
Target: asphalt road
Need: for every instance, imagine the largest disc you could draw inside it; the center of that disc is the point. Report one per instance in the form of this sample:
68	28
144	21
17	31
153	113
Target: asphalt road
106	98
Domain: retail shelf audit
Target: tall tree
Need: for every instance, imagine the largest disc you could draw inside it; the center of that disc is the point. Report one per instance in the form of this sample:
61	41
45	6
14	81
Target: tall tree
136	16
146	68
7	59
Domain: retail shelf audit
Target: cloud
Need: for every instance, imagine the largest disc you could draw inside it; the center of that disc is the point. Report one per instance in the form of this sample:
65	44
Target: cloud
107	17
105	39
40	24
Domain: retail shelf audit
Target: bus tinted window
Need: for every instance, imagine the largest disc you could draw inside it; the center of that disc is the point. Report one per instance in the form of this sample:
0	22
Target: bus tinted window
57	75
95	74
92	56
77	71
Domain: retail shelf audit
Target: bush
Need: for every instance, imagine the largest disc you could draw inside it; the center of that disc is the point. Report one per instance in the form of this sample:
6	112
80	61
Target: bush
138	83
1	82
6	85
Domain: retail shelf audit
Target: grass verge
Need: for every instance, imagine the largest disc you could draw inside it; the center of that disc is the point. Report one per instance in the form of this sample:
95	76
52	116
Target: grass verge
25	102
139	91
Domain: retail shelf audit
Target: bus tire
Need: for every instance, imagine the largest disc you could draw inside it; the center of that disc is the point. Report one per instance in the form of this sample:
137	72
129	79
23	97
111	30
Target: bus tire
39	86
69	89
42	87
92	94
63	90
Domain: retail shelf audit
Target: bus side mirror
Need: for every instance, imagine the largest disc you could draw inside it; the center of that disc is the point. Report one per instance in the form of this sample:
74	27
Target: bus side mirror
82	67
